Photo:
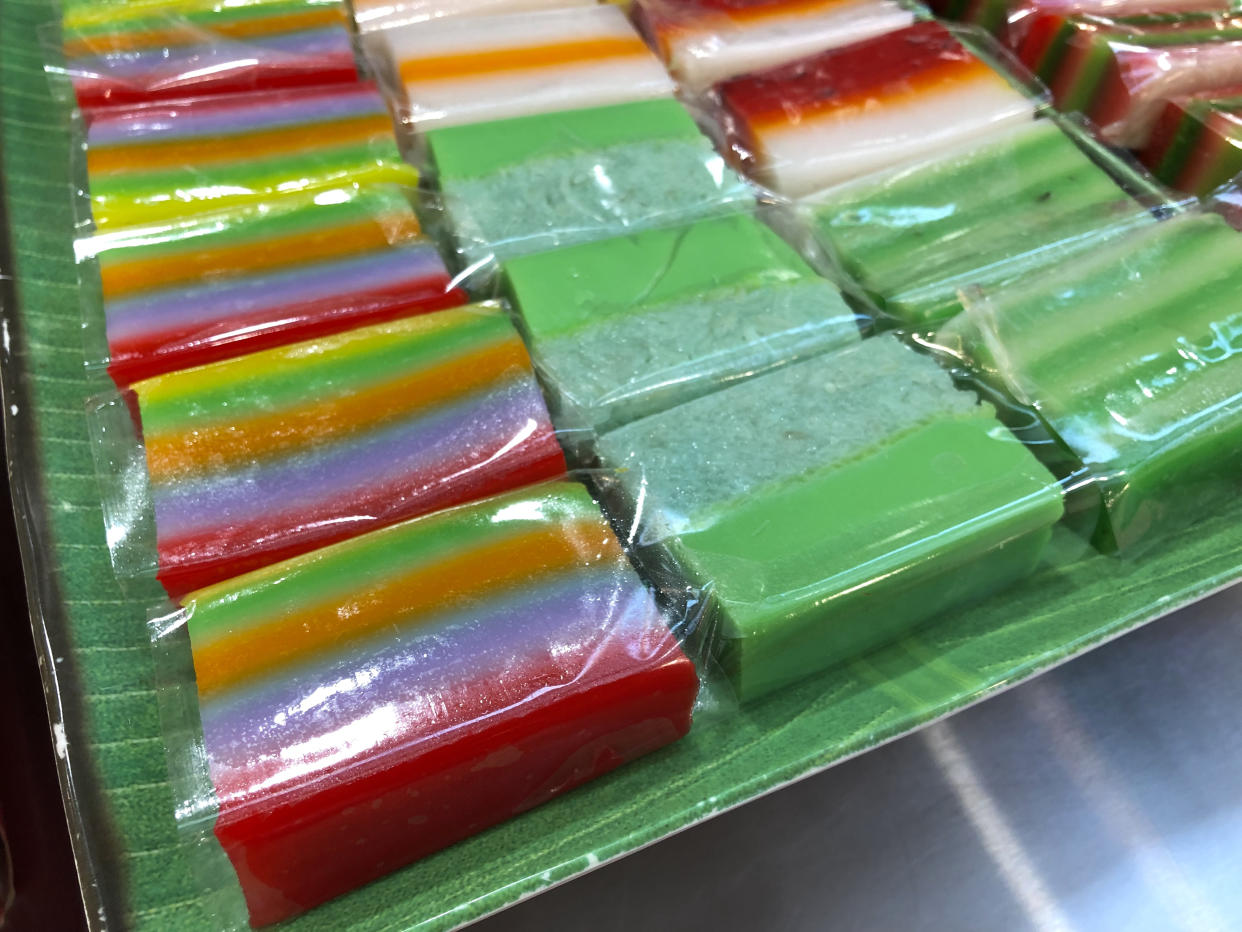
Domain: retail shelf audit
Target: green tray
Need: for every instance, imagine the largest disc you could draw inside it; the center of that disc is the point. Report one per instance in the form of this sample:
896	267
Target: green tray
99	672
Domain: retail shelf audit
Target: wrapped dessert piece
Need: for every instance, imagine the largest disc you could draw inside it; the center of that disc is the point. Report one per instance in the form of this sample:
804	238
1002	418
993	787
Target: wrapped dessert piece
371	15
1007	206
826	508
889	100
625	327
534	183
1120	70
1009	20
171	159
467	69
705	41
372	702
1196	143
1131	355
255	459
130	52
184	293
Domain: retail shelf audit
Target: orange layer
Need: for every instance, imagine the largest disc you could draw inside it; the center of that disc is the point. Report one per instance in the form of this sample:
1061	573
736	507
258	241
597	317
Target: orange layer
940	78
436	587
173	455
185	33
474	64
178	153
121	277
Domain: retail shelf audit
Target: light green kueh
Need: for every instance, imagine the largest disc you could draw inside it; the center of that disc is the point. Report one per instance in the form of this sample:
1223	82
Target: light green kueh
1026	200
528	184
828	507
1132	357
624	327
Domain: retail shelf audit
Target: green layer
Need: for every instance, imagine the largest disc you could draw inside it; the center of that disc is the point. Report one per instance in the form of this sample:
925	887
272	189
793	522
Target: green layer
917	236
1132	355
866	495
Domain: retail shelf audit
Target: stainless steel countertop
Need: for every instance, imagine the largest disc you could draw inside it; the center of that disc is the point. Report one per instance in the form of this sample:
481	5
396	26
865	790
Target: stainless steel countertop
1104	795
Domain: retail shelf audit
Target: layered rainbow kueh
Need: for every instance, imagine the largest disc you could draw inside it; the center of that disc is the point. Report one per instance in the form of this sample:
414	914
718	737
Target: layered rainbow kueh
804	126
256	459
1009	20
372	702
705	41
1196	144
168	160
121	53
1120	70
462	69
184	293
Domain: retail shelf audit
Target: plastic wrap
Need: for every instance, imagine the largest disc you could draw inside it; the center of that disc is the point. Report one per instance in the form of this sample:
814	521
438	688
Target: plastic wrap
182	293
169	159
378	700
371	15
706	41
623	328
1009	20
468	69
817	493
895	98
1196	142
534	183
130	52
1022	199
1120	70
1130	357
241	463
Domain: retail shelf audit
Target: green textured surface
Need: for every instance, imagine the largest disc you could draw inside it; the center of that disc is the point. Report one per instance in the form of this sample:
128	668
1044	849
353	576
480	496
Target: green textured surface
140	879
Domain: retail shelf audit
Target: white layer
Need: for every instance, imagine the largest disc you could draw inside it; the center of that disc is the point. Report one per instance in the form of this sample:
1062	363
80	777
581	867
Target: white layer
701	60
545	90
817	153
372	15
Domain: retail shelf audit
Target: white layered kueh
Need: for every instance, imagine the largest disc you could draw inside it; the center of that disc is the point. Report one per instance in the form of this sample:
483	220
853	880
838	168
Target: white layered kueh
704	59
471	99
372	15
817	153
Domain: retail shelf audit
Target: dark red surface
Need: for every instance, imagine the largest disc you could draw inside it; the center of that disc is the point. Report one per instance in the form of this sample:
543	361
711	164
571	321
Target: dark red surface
408	803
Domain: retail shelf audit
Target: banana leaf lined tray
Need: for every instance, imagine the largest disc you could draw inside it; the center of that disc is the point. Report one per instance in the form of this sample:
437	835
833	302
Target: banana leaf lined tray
99	673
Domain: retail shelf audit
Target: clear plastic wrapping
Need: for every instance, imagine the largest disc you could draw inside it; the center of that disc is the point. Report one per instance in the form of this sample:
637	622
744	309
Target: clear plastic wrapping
706	41
1120	70
623	328
372	15
1130	356
130	52
822	120
377	700
168	159
828	507
535	183
214	471
1196	142
1009	20
182	293
469	69
1006	206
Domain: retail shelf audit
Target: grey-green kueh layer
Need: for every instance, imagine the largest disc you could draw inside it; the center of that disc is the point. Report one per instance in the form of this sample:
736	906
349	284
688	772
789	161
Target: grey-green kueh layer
828	507
1132	356
1023	201
624	327
529	184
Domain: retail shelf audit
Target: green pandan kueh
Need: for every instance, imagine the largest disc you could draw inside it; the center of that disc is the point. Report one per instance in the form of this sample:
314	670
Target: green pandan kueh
624	327
1022	201
512	187
828	507
1131	356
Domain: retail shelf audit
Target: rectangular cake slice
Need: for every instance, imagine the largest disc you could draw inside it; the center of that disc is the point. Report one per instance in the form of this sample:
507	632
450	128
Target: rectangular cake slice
624	327
375	701
826	508
529	184
885	101
1131	355
1020	200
